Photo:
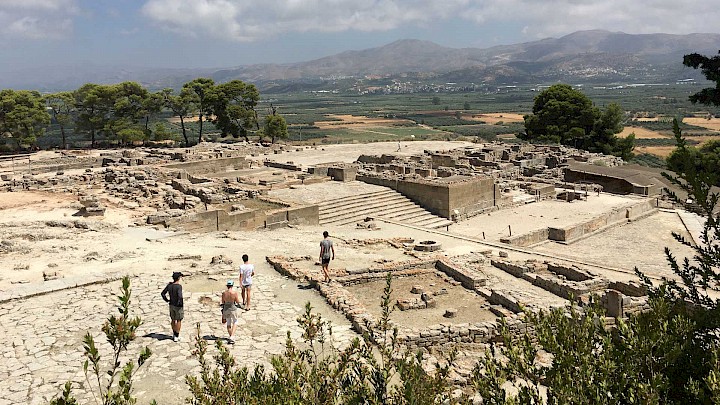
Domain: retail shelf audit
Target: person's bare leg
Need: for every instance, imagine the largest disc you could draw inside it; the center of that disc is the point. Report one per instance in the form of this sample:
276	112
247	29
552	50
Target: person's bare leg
247	299
325	272
232	330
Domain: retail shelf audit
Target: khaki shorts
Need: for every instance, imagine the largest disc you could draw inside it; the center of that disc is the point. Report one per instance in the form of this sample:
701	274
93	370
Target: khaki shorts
176	313
230	317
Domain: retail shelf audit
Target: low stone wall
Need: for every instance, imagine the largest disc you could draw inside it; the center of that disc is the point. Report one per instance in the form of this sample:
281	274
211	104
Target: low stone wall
286	166
221	220
564	281
469	278
527	239
344	301
616	216
211	165
575	232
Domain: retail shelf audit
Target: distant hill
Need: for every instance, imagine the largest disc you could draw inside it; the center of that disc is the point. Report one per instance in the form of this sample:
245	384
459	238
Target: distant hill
585	56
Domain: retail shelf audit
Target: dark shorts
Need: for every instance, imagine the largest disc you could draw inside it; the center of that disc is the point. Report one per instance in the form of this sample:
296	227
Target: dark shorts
176	313
325	261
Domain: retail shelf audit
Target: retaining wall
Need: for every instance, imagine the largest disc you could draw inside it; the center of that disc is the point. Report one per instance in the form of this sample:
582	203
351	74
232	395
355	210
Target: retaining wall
467	197
221	220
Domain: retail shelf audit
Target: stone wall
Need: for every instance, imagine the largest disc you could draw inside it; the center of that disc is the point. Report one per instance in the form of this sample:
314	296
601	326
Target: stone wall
564	281
574	232
211	165
527	239
467	196
221	220
345	302
469	278
348	173
616	216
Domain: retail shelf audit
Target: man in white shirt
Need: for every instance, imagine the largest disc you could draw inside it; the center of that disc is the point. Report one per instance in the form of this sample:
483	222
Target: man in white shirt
247	271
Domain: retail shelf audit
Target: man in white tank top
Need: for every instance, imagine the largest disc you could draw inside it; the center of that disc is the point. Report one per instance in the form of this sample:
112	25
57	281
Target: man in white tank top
247	271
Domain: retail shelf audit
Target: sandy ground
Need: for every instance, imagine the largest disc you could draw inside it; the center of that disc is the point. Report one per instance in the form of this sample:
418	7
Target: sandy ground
349	153
358	121
638	244
530	217
470	306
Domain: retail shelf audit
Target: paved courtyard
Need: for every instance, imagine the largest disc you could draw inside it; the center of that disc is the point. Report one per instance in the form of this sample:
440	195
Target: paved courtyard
43	337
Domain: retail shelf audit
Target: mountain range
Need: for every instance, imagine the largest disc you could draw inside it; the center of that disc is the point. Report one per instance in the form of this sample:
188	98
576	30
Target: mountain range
595	56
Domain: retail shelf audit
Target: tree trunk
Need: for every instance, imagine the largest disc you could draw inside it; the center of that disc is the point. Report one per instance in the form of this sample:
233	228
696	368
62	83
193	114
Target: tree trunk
182	126
200	132
62	132
92	138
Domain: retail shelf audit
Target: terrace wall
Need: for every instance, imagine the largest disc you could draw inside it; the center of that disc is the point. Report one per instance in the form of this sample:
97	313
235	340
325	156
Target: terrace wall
467	197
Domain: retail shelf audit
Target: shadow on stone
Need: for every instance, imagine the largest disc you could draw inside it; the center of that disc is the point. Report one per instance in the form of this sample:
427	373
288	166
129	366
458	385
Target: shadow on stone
158	336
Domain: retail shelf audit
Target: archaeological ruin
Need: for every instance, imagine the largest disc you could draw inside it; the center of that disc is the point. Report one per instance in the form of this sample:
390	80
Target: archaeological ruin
470	233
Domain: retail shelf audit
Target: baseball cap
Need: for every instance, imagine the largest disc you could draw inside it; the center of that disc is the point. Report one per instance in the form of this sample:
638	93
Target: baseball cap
176	275
230	283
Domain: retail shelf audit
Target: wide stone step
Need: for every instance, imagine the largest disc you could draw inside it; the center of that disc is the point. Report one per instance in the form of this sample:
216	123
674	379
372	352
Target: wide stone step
350	199
330	215
381	204
434	223
409	216
347	205
355	216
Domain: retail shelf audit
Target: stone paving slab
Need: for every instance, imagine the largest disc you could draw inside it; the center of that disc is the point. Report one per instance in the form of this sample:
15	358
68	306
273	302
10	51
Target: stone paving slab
43	338
30	290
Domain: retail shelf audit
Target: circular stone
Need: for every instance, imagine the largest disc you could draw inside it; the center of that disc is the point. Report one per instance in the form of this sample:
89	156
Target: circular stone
427	246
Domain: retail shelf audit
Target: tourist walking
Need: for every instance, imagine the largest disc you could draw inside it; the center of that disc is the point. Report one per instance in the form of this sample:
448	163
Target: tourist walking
247	271
327	251
229	310
172	294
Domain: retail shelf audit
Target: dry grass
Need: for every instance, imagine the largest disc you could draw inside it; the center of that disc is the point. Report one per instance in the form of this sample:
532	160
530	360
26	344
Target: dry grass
711	124
358	122
494	118
642	133
661	151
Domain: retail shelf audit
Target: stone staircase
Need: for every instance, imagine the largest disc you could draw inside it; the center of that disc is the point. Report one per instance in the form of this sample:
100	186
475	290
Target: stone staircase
381	204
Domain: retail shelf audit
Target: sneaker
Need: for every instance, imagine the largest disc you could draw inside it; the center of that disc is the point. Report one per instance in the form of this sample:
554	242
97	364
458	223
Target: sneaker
179	339
231	341
175	338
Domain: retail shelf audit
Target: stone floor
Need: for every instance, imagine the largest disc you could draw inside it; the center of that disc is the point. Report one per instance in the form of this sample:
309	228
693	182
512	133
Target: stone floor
43	338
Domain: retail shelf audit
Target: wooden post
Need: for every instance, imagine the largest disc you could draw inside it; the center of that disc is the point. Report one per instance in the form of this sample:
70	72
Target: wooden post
510	230
483	235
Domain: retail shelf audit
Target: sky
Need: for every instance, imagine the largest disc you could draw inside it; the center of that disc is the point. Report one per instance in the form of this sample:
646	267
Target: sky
225	33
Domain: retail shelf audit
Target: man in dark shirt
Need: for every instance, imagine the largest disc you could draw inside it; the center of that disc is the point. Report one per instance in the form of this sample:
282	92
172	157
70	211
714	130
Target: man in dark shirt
174	290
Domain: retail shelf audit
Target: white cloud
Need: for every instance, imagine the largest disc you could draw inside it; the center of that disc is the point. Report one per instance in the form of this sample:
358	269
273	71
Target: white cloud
36	19
249	20
558	17
246	20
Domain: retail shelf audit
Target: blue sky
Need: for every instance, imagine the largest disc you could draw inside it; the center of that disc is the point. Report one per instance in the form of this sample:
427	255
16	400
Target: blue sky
223	33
